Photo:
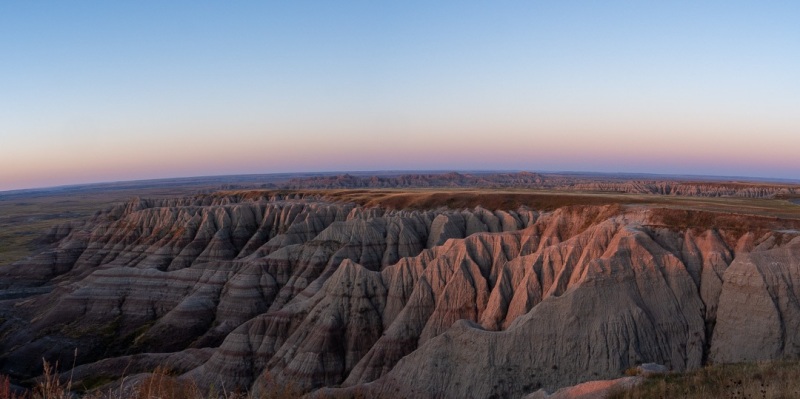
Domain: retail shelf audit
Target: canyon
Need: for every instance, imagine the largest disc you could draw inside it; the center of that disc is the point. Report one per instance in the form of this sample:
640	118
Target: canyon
391	287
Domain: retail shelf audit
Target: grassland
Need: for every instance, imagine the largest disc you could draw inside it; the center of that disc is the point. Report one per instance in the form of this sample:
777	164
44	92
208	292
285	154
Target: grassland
765	380
777	379
24	220
25	216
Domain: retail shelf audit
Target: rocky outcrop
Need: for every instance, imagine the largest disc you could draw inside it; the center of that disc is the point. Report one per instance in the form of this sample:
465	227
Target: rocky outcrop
165	275
244	290
589	390
759	311
630	302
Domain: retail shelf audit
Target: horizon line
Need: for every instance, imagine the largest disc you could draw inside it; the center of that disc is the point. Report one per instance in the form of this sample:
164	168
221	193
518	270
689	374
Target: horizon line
665	176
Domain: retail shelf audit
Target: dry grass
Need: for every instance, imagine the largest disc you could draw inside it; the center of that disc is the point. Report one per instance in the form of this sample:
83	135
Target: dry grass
767	380
25	219
52	386
5	389
492	200
683	219
160	384
455	198
26	216
23	222
270	389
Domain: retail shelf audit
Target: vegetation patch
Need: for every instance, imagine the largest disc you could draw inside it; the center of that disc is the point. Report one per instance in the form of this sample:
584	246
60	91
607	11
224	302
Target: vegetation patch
778	379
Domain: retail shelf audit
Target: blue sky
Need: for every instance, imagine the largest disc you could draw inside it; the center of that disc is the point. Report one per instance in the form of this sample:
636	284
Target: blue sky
106	91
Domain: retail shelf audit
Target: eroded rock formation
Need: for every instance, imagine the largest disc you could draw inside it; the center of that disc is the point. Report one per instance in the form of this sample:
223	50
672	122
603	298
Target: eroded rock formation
241	290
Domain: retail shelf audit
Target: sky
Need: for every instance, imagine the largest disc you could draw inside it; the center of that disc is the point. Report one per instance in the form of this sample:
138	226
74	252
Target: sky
96	91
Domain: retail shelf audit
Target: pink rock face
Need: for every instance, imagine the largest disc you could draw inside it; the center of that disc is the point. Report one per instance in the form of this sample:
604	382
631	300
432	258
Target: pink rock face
598	389
242	291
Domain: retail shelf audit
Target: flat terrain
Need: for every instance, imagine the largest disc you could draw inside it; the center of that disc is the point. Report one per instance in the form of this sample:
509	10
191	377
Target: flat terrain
24	220
767	379
25	216
552	199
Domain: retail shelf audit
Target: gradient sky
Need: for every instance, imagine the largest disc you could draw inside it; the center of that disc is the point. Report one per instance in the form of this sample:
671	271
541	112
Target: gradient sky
111	90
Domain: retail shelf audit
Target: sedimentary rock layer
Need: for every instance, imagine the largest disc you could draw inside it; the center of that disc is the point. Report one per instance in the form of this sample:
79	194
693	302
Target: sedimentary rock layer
244	291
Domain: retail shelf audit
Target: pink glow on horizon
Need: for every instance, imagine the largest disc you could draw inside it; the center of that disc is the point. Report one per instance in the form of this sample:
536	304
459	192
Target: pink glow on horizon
566	151
586	141
133	91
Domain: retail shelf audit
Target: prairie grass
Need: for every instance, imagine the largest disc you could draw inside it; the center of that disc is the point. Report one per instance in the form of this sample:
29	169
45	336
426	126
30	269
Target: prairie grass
501	199
764	380
23	222
25	216
160	384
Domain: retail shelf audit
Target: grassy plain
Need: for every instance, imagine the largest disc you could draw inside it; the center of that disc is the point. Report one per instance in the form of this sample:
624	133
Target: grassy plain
26	215
23	221
552	199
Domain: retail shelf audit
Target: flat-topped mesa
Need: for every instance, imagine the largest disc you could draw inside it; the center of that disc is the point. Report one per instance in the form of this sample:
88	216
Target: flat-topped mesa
553	181
244	289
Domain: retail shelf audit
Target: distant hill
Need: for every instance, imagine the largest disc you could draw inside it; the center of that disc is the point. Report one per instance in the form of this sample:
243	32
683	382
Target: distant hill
633	184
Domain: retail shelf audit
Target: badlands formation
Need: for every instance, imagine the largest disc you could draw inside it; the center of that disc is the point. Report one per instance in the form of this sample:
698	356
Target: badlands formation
340	296
550	181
